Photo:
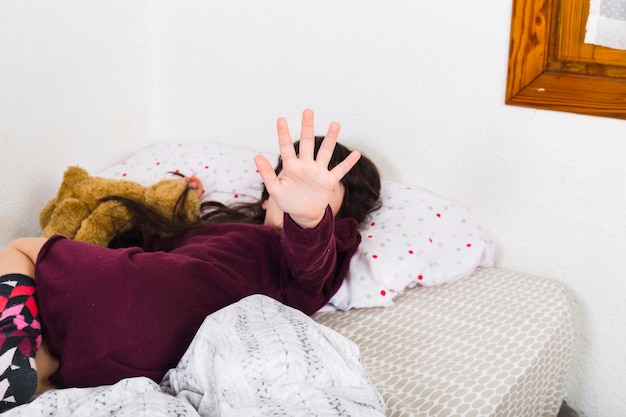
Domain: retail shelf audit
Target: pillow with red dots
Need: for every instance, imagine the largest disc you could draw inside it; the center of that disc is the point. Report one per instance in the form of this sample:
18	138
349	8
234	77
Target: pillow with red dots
415	238
227	172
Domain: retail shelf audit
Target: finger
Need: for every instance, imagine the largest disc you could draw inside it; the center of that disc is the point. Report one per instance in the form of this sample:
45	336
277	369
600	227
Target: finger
307	135
197	185
265	170
199	191
285	143
346	165
325	152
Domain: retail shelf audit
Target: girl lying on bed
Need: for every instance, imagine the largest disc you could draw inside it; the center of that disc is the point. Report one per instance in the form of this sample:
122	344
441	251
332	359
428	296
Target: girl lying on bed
109	314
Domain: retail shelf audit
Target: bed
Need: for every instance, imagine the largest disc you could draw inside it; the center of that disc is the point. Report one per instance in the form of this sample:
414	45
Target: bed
496	343
424	325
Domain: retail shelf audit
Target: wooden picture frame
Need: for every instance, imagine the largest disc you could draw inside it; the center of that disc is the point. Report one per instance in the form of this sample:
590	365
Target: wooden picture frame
550	67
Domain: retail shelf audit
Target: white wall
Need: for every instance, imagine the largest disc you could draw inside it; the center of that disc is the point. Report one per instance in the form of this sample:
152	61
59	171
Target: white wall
419	86
75	88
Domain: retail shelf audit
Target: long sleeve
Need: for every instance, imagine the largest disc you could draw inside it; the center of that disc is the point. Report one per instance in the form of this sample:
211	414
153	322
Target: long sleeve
318	259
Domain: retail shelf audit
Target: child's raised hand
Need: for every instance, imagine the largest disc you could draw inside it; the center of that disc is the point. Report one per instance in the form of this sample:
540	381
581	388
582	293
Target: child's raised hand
304	187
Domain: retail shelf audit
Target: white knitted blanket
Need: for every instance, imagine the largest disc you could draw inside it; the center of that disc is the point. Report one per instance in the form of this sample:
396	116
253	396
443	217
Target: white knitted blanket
256	357
260	358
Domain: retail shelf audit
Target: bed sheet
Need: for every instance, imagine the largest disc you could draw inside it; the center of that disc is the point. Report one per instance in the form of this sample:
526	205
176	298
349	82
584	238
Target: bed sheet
497	343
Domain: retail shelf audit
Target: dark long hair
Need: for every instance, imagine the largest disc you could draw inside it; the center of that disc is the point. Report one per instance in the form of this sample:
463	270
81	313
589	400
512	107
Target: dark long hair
361	197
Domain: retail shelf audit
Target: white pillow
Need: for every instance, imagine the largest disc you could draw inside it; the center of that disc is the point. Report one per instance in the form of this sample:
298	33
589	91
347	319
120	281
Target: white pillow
416	237
227	172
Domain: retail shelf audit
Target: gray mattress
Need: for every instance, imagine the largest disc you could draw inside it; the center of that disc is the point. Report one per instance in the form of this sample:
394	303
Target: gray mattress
496	343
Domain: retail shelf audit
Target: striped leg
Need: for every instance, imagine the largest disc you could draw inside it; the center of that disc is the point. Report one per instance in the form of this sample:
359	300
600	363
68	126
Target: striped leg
20	337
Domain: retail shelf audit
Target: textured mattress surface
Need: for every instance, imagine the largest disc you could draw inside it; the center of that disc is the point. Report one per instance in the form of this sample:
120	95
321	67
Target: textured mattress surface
496	343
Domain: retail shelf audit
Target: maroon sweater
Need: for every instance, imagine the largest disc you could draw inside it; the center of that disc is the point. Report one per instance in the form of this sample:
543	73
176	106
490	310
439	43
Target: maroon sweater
109	314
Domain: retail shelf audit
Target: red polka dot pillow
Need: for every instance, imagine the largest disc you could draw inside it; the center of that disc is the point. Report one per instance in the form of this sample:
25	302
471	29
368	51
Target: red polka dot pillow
227	172
416	238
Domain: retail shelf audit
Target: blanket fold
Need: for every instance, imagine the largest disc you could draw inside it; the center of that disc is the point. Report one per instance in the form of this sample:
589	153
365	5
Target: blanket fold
259	357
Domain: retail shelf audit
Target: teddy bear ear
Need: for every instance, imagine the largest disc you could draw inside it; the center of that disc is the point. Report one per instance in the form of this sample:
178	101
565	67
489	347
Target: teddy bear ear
74	174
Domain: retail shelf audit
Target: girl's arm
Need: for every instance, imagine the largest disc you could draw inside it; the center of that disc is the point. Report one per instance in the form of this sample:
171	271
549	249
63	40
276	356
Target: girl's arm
20	255
318	259
310	253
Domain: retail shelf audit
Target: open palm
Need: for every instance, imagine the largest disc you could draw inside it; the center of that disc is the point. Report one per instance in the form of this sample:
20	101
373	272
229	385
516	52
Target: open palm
305	186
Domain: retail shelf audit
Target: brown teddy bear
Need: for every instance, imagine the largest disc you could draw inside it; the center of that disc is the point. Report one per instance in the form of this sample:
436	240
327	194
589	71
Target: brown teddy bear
77	211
